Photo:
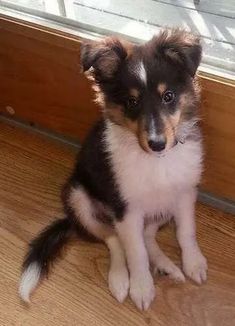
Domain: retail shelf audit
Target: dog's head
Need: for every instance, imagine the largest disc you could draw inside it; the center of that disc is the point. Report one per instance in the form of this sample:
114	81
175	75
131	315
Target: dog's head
149	89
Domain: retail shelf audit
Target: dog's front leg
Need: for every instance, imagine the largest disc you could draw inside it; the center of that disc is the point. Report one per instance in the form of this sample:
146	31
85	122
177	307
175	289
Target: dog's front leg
194	263
131	233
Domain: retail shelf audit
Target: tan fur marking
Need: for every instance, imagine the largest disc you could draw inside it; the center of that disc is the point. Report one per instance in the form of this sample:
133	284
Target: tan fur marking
161	88
143	142
115	114
99	96
128	47
170	134
170	125
134	92
143	137
132	125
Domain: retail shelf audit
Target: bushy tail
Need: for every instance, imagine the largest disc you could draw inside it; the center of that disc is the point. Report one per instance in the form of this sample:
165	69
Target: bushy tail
43	251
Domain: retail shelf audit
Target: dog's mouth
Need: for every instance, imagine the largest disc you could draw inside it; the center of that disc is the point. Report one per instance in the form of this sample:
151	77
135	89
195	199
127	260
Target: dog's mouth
167	149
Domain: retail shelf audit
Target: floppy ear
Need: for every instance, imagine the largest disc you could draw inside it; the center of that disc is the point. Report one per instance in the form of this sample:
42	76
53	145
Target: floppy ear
180	47
104	57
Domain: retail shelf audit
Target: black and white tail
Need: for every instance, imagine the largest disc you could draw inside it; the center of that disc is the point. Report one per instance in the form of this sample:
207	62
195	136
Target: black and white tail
43	251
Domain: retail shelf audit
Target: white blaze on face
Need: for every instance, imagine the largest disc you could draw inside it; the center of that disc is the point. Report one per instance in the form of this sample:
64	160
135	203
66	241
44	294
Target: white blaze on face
152	131
141	72
153	134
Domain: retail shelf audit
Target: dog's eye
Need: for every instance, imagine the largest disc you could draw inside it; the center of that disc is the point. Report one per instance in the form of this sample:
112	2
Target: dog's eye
132	102
168	97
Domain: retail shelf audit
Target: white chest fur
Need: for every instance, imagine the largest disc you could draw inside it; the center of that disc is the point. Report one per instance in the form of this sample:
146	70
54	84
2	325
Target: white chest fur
148	181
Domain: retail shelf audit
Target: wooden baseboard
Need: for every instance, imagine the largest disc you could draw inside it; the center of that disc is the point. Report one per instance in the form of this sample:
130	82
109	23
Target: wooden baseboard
41	85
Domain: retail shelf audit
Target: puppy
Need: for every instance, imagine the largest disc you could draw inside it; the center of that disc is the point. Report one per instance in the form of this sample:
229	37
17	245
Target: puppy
139	166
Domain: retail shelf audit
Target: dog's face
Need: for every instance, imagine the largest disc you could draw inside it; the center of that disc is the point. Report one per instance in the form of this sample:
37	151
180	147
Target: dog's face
149	89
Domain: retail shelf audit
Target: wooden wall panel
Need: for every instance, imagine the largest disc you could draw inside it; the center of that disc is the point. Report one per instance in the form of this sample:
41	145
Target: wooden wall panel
218	115
40	80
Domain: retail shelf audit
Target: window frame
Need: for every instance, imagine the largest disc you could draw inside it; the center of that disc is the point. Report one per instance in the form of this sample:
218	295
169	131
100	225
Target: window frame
66	23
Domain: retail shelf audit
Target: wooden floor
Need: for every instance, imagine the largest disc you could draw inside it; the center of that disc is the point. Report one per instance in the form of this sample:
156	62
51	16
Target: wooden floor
32	170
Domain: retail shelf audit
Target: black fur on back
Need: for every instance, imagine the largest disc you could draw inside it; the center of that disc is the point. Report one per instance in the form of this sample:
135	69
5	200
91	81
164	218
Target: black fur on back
94	171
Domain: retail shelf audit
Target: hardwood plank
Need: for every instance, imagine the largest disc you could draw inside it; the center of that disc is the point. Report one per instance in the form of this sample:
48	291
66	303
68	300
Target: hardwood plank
32	170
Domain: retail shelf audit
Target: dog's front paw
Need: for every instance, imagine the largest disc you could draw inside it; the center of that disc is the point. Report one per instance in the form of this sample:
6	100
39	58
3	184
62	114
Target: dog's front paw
195	266
142	290
164	265
119	283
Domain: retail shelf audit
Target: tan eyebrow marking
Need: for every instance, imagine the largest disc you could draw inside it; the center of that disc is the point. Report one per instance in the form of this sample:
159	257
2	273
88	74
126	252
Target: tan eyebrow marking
134	92
161	88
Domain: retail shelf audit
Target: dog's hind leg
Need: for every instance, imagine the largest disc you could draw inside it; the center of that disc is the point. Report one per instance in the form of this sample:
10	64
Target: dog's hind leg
158	260
85	211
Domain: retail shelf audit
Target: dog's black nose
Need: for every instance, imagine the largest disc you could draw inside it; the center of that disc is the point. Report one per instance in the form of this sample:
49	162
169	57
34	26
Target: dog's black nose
157	146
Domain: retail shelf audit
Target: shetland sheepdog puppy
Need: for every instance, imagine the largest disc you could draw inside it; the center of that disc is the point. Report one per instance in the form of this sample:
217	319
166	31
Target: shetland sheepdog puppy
138	168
